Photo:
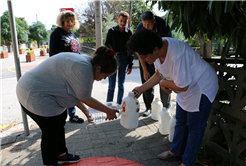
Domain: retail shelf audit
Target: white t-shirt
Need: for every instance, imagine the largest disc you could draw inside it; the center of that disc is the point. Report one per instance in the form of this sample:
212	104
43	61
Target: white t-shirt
185	67
56	84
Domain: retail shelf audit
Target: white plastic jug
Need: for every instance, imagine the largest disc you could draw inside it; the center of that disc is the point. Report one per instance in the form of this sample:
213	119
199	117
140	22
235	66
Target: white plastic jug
130	112
156	107
172	124
172	109
164	121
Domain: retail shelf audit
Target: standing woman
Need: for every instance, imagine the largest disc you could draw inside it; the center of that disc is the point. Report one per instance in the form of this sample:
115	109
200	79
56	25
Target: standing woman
62	81
62	39
179	69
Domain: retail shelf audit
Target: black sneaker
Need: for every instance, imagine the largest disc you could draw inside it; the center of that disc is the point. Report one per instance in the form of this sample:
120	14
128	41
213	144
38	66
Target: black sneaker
68	158
76	119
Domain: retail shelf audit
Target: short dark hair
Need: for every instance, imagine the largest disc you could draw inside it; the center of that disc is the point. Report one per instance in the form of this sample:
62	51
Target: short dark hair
124	14
147	15
143	41
108	63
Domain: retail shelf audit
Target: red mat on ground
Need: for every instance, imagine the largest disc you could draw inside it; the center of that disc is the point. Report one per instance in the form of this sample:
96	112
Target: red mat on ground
104	161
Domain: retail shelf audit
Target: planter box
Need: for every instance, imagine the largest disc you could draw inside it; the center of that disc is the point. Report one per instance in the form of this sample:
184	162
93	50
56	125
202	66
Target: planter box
4	55
42	53
21	51
48	50
30	58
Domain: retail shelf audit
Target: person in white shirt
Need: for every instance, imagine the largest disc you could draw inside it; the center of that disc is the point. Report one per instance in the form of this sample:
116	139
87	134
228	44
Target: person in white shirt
181	70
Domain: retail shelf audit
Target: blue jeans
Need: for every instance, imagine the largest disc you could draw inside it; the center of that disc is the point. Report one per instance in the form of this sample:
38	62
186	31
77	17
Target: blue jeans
121	80
189	131
71	111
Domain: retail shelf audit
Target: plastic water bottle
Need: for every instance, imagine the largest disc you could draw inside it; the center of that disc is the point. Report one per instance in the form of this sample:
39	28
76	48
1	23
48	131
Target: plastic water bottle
172	124
130	112
156	107
164	121
172	109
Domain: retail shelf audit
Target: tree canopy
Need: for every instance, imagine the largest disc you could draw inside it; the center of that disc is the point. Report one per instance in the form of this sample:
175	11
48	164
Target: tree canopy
138	7
87	15
5	28
22	30
38	32
225	20
25	33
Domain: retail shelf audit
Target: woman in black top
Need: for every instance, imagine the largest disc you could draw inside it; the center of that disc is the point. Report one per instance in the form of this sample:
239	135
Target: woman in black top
62	39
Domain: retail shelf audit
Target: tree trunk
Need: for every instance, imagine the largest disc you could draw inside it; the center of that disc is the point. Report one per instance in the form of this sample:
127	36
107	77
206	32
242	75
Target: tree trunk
9	46
202	43
208	49
205	48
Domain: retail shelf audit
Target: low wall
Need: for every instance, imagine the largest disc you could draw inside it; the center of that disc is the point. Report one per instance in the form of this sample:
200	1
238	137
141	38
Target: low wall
89	44
88	50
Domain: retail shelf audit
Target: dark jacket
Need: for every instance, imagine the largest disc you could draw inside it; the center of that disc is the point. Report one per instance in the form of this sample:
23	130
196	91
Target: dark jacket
117	40
63	41
160	27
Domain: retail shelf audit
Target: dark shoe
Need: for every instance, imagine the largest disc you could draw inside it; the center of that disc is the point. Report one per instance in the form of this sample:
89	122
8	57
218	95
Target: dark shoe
68	158
166	155
76	119
146	112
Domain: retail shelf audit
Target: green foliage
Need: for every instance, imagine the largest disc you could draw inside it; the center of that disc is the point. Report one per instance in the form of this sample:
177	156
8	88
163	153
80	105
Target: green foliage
5	28
1	41
53	27
138	7
27	49
42	49
178	34
114	7
227	19
107	23
88	40
193	41
21	28
21	48
87	15
38	32
3	51
30	52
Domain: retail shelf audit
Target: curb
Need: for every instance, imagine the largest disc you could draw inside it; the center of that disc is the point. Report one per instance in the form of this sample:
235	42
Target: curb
9	136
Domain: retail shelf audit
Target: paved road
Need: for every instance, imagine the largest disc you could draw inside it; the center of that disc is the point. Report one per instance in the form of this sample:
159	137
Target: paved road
10	111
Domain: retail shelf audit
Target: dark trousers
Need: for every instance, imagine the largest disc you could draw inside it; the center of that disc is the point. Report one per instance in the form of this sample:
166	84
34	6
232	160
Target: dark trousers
148	95
53	141
189	131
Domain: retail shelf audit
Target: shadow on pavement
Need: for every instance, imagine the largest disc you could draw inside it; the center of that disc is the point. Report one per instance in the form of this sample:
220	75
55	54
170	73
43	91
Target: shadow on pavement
104	139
